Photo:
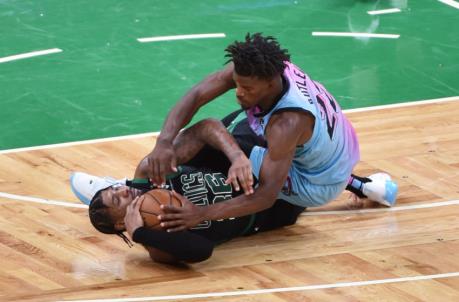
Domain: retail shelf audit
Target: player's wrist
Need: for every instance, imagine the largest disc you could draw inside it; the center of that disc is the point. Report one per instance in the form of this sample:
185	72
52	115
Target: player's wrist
203	213
164	142
236	155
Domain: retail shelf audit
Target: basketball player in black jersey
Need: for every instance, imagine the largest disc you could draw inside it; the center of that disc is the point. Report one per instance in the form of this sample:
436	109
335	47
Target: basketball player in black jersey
208	177
115	209
203	181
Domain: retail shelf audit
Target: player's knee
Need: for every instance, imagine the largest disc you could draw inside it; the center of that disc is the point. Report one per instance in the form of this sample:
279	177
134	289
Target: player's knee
142	169
200	128
210	122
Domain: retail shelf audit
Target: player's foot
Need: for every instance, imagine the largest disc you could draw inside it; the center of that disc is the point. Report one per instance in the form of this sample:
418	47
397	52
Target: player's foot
85	186
381	189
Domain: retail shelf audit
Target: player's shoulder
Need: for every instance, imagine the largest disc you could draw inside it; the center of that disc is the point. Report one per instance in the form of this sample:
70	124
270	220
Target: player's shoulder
291	119
290	126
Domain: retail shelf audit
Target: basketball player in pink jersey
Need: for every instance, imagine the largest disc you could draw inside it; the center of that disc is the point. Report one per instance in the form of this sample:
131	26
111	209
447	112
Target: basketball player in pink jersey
311	148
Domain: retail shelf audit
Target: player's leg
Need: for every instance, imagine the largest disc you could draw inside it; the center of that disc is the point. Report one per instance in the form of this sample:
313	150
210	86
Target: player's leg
191	148
192	140
236	124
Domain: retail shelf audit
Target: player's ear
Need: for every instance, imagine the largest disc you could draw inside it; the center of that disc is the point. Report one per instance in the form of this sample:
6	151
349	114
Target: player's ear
119	225
272	82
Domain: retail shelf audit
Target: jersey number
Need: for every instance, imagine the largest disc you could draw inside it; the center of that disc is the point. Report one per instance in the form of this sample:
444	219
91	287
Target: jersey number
329	109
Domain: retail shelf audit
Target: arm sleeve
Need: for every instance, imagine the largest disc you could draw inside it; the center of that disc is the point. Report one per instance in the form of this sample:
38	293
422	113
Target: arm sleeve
184	246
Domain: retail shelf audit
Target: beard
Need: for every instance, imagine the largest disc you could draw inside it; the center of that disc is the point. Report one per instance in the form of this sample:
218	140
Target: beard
243	105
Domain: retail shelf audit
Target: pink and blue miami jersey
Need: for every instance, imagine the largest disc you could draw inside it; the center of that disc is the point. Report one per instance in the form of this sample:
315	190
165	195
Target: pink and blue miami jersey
322	166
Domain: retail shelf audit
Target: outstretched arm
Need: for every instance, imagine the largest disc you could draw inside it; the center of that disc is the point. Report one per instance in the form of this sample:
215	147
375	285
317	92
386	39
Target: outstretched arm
162	159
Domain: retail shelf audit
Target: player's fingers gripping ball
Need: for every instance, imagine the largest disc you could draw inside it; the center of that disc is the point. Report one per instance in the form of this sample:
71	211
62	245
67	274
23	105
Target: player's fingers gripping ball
150	206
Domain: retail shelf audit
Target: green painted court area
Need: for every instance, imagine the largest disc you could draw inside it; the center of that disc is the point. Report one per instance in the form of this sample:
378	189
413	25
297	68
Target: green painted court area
106	83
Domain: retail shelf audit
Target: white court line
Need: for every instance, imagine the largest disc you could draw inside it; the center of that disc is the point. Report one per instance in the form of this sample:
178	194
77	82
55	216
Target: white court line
350	34
44	201
116	138
30	55
275	290
91	141
181	37
450	3
401	105
343	212
379	210
384	11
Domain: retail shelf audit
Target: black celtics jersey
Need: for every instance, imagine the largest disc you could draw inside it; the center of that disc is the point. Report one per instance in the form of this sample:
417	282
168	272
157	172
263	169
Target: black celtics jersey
204	187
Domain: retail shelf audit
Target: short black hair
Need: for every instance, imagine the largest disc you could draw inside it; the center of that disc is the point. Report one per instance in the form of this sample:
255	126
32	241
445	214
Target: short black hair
99	215
257	56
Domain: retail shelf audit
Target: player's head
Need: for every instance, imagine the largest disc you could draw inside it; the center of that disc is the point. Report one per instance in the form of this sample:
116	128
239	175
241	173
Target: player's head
107	199
108	208
258	62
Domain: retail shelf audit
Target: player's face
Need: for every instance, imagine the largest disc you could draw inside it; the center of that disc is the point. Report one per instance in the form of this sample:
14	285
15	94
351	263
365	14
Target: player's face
117	198
251	91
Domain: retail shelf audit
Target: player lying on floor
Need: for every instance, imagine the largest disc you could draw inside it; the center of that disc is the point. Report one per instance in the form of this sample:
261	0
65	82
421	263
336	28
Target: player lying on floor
206	174
114	209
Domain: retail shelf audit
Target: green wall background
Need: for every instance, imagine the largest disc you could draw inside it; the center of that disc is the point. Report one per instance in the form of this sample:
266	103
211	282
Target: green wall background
105	83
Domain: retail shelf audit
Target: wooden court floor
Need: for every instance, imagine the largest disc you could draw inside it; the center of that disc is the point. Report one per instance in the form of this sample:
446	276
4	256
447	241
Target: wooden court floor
51	252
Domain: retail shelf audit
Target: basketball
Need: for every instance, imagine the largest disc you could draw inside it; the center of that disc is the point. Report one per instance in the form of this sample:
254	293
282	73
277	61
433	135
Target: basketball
150	206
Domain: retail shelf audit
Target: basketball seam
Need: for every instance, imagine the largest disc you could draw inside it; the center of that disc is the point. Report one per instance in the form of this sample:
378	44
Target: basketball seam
156	199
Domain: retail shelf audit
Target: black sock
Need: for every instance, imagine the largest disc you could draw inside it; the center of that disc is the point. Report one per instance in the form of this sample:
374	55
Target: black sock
355	185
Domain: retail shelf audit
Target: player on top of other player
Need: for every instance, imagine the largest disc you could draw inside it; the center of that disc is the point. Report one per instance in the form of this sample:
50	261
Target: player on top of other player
115	209
311	147
108	199
203	180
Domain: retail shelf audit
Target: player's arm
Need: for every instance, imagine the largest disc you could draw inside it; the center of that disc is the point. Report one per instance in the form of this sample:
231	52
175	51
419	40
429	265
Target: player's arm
162	159
285	131
167	247
213	133
163	246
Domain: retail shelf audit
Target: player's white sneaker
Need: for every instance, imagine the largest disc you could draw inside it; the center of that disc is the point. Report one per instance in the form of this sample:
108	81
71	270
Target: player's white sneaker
381	189
85	186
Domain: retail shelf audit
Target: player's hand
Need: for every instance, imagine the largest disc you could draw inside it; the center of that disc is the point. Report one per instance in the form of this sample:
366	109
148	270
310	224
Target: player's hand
181	218
133	220
161	161
240	173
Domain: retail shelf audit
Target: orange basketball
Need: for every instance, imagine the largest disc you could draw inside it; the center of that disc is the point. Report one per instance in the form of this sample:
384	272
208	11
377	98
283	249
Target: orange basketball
150	206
